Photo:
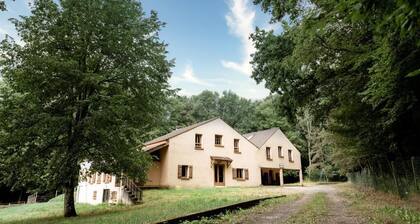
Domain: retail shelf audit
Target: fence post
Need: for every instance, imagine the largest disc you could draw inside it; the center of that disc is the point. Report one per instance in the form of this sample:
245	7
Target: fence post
393	175
414	173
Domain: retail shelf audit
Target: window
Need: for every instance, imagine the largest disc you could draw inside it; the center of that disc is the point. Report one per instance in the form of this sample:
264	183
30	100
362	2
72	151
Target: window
108	179
94	195
98	178
290	155
240	174
218	140
92	178
280	152
268	153
185	172
117	181
114	196
198	141
236	145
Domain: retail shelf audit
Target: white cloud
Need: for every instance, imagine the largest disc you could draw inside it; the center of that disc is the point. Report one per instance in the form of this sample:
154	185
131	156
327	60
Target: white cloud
240	21
189	76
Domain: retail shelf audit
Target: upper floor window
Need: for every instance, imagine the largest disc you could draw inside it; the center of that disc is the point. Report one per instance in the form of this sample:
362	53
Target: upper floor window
268	153
236	145
198	141
290	155
218	140
280	152
98	178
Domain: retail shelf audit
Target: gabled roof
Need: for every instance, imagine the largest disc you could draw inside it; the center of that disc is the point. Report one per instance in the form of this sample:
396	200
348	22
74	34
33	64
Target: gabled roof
258	138
178	132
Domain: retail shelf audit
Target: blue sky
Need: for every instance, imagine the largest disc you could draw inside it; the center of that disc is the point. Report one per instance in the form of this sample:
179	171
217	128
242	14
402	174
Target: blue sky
208	40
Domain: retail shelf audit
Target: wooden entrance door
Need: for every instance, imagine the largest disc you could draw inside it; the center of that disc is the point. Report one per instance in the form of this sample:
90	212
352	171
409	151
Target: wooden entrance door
219	174
105	195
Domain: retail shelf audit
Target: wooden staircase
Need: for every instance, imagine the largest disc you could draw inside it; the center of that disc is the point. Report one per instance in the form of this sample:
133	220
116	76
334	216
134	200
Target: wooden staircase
134	191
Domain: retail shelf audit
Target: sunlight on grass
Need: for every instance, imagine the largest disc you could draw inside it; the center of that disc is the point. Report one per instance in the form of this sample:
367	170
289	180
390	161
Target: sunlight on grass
241	215
158	205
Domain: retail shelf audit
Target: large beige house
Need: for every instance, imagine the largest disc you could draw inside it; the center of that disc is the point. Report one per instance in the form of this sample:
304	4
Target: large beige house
206	154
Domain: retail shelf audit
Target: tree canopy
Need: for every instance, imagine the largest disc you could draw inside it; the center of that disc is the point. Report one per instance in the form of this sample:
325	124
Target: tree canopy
87	86
354	66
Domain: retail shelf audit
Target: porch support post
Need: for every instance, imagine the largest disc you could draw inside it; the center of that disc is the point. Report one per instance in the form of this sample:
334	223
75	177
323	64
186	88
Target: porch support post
281	177
301	177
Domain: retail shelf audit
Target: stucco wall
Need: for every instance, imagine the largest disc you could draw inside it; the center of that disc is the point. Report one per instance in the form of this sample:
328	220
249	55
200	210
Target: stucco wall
153	175
85	192
279	139
182	152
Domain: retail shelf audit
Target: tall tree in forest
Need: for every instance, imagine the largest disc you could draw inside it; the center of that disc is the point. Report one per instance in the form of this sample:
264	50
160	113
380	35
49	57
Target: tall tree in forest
86	86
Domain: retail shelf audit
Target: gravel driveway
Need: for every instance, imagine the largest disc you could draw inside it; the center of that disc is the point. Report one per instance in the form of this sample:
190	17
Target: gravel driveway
338	208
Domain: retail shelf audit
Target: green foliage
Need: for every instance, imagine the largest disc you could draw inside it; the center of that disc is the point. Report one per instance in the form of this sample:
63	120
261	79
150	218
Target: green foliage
353	65
87	86
406	215
242	114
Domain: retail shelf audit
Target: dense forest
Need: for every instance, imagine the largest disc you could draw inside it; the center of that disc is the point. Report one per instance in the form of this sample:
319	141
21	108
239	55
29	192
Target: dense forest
353	66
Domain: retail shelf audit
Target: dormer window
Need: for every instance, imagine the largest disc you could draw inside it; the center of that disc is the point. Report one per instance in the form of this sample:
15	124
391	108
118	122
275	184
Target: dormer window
218	140
198	144
236	145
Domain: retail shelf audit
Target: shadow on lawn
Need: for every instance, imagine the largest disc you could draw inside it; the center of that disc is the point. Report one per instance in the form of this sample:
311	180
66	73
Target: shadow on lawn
54	219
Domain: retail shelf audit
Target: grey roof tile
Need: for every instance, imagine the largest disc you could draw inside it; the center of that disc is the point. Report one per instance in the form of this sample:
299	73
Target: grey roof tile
258	138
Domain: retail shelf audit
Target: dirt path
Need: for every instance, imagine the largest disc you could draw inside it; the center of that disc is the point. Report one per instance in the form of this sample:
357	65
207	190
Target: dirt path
279	213
338	209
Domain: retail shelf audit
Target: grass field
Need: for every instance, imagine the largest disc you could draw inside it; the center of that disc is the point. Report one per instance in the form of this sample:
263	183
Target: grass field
243	214
380	207
158	205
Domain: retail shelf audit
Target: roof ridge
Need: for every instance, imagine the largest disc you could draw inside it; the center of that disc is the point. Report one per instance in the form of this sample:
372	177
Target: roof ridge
182	130
259	138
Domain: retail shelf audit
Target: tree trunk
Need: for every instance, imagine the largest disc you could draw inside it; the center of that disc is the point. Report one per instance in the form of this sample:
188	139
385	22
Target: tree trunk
69	208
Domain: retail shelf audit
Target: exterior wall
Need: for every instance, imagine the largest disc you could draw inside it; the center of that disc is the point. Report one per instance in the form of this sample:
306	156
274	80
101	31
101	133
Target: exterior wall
182	152
279	139
85	192
154	175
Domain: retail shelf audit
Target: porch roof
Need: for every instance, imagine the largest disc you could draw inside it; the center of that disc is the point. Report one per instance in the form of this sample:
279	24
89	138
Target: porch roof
155	146
227	160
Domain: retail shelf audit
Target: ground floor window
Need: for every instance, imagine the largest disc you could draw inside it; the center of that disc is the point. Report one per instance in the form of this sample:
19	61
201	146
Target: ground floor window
240	174
114	196
185	172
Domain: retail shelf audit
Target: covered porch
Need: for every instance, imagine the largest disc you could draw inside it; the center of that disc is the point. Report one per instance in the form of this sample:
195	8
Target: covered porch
275	176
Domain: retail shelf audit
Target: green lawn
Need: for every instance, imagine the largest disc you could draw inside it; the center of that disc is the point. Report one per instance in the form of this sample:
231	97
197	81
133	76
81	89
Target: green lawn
240	216
158	205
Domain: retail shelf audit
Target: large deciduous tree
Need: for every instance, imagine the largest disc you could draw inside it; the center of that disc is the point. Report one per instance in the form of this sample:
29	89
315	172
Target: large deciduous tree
86	86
